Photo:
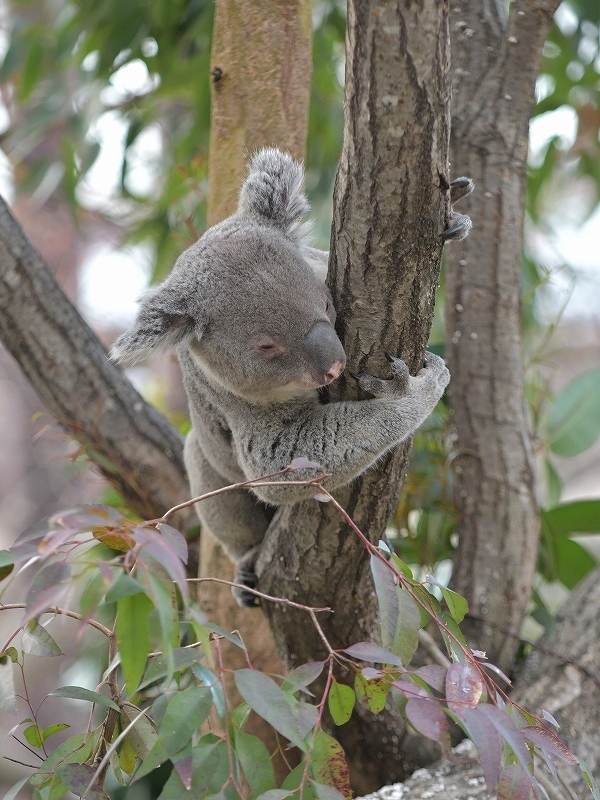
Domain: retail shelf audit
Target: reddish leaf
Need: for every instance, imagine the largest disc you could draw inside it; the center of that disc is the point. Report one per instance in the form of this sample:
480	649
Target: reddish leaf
487	741
77	778
176	540
304	675
184	767
367	651
515	783
369	673
463	687
499	672
410	689
159	547
46	587
429	719
508	730
86	518
433	675
328	764
52	541
548	740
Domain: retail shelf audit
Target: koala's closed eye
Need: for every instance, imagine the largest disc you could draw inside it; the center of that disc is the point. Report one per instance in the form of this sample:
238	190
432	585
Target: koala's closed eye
269	348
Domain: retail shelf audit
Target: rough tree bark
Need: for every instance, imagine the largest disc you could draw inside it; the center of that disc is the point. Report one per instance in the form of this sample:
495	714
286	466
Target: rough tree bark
390	208
261	66
495	64
131	442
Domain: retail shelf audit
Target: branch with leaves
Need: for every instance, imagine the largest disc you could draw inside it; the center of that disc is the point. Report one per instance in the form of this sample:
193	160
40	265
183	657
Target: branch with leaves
165	672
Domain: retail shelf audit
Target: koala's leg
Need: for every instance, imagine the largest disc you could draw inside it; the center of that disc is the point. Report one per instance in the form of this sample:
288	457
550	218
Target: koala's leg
236	519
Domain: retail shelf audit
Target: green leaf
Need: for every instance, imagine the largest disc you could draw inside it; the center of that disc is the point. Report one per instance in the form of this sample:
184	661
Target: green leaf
133	639
79	693
581	516
206	757
8	700
34	736
52	729
275	794
327	792
183	657
256	763
127	756
292	782
185	713
37	641
573	562
575	419
372	694
340	702
72	751
124	586
78	777
142	736
266	698
457	605
209	679
328	765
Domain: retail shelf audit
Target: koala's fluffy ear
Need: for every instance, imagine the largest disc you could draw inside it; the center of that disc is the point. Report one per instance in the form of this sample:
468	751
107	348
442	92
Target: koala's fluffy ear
272	192
162	322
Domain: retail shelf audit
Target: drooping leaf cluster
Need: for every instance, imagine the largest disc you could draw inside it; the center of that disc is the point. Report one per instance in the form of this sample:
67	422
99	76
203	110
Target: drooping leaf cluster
162	700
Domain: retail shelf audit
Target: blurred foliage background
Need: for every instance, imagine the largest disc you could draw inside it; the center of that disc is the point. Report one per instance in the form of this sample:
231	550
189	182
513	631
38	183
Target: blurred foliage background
80	78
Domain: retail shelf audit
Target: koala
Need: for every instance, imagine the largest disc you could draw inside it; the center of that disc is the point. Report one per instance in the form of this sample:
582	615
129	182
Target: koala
253	323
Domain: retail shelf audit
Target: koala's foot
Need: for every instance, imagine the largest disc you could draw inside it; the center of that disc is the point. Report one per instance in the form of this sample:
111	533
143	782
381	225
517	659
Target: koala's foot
435	371
245	573
395	387
459	225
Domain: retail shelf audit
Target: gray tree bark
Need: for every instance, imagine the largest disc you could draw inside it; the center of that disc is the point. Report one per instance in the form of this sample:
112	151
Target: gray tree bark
139	452
495	65
390	208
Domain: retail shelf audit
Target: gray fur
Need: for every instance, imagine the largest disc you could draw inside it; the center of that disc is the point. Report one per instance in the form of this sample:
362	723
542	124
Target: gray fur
254	330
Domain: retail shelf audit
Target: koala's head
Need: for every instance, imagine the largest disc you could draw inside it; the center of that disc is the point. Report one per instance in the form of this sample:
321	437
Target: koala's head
244	299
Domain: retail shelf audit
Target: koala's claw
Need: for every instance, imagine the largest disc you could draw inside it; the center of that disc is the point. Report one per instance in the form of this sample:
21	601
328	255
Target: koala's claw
243	598
395	387
460	187
458	226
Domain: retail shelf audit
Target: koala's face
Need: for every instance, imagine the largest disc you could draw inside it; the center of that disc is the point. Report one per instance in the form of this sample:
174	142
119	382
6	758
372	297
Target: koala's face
267	321
251	311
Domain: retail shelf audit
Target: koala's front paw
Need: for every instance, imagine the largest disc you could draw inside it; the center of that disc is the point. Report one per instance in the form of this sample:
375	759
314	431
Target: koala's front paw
434	372
395	387
459	225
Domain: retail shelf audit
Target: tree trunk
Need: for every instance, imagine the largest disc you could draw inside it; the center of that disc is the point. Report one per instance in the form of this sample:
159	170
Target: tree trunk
261	65
386	250
495	66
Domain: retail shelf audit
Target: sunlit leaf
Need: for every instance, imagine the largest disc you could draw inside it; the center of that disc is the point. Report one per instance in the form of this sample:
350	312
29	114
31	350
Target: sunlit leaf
34	736
340	701
371	693
142	736
79	693
209	679
457	605
266	698
52	729
127	756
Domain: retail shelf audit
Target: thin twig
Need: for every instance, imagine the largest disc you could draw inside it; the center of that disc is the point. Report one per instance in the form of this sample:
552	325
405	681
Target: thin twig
253	482
259	594
65	613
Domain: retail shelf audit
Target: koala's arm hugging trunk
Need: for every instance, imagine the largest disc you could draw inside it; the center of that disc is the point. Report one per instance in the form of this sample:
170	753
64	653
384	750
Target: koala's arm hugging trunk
344	438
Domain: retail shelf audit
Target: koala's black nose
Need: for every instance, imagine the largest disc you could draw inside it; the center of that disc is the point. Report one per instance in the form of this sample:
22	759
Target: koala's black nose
324	351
